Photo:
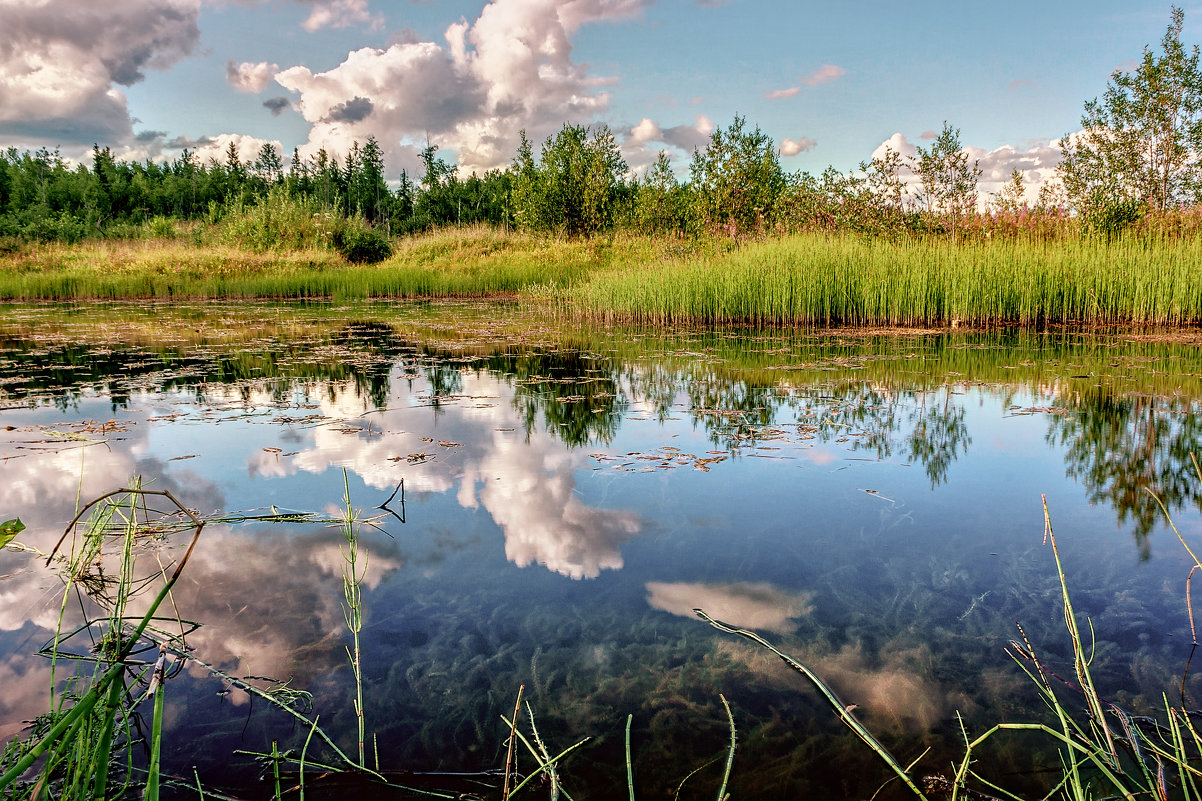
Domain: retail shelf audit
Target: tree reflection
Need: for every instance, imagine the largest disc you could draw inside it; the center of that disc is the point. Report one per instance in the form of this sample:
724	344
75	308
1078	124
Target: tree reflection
573	393
1129	450
889	397
938	438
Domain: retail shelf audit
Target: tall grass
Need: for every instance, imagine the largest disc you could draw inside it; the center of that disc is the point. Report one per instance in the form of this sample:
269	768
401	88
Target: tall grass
807	278
73	746
468	262
814	279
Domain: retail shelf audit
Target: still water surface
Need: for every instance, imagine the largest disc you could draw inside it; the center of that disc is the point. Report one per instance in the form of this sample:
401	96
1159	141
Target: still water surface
869	503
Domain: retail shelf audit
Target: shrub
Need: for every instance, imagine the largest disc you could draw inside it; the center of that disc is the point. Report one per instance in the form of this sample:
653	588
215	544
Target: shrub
359	243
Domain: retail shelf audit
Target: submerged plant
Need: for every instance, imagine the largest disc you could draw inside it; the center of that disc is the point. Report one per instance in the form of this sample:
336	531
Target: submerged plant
1108	753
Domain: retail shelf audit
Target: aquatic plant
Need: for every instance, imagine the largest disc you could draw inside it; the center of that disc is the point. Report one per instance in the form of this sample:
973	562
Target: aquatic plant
813	279
1107	753
74	745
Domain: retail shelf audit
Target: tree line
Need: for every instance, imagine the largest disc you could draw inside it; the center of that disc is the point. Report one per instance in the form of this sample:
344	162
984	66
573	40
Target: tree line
1139	154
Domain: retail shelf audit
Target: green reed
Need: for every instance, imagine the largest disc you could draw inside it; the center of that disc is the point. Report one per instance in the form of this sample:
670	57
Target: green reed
75	743
352	580
808	278
816	279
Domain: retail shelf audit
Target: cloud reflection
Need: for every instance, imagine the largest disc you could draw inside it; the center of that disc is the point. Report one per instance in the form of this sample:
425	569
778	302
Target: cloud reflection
529	489
271	604
749	605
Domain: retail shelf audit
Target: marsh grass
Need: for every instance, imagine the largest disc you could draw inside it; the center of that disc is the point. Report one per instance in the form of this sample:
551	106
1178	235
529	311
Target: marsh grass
807	278
816	279
83	744
460	262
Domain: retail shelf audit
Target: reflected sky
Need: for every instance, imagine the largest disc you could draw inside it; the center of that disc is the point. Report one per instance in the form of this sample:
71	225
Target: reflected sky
565	508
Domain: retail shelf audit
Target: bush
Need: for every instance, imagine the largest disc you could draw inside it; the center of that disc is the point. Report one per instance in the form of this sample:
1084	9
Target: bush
276	221
161	228
1112	218
359	243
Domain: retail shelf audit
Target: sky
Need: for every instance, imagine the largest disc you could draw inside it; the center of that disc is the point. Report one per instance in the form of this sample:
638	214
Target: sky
831	83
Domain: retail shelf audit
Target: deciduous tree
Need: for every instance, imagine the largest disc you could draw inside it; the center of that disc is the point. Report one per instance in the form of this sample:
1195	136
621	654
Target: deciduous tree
948	183
1142	141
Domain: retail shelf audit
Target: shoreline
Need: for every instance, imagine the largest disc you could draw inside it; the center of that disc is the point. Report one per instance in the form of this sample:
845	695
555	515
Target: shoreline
799	279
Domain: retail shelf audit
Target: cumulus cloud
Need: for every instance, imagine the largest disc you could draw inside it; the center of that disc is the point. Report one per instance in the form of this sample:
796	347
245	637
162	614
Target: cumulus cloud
684	137
644	140
1036	161
248	77
61	64
825	74
509	69
340	14
791	147
215	148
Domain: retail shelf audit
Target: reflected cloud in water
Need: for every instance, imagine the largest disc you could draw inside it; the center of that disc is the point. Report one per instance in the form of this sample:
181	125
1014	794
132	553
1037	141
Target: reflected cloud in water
279	613
749	605
528	487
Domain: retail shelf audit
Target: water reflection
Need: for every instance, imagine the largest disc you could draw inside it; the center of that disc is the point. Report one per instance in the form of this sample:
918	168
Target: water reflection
1130	451
870	502
1122	439
748	605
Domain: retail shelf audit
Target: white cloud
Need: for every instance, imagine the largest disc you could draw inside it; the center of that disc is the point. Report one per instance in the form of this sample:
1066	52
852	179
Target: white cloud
61	64
643	142
646	131
752	605
340	14
510	69
825	74
780	94
248	77
215	147
1036	161
791	147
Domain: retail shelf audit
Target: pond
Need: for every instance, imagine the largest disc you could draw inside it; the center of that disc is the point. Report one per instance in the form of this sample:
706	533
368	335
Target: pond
544	503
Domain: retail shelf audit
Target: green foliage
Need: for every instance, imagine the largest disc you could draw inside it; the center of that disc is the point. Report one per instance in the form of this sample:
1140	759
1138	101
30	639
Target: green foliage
360	243
577	185
161	227
367	193
1143	140
737	180
10	529
277	221
1011	197
660	202
1110	218
948	182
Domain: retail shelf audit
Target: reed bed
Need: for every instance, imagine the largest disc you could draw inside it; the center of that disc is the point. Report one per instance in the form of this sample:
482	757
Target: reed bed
814	279
808	278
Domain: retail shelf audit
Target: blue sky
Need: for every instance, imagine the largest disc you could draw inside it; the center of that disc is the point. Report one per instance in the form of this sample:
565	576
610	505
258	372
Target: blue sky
829	82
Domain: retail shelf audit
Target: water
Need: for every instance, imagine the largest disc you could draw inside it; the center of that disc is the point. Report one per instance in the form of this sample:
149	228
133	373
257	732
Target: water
871	503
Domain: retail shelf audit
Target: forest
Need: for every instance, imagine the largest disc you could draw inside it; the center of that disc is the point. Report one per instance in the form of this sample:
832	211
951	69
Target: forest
1135	164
